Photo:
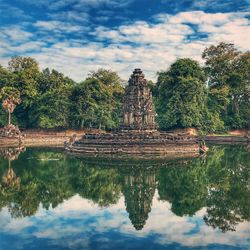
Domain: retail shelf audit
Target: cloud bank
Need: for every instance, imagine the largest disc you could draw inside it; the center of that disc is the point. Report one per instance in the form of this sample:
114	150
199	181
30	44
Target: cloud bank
75	41
79	224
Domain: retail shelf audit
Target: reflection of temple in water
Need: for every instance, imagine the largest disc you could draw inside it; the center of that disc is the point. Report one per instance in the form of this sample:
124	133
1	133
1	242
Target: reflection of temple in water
138	188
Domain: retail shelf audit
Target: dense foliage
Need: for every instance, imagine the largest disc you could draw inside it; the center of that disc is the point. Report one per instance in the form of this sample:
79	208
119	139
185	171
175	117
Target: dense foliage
97	101
228	72
211	98
181	95
51	100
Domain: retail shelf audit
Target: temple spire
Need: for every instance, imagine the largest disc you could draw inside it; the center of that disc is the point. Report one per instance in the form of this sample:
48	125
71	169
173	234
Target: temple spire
138	107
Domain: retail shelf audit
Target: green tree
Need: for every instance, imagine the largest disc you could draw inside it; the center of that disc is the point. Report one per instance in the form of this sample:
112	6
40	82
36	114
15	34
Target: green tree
229	83
111	84
238	115
85	99
96	102
217	104
10	98
5	80
107	77
51	109
181	95
25	75
219	62
51	80
5	77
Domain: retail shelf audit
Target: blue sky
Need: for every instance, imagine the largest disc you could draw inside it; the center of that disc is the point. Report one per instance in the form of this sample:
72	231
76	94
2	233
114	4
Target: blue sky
77	36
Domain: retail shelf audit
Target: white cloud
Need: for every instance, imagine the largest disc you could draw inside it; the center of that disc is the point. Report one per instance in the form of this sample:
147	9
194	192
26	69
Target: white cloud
199	17
14	33
27	47
144	33
58	26
228	27
77	218
153	46
78	4
79	16
8	10
211	5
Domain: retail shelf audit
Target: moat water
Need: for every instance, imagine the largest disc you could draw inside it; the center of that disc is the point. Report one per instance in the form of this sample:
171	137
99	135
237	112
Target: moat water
59	201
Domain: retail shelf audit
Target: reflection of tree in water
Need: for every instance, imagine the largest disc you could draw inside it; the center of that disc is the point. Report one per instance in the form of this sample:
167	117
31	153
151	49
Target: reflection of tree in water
9	178
184	186
52	177
97	184
228	200
43	183
221	184
138	188
10	181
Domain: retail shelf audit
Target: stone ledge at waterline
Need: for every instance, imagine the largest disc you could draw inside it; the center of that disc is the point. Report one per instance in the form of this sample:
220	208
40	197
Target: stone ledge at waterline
44	138
38	138
135	143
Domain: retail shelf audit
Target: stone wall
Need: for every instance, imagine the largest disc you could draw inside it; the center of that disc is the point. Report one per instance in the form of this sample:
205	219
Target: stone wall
136	143
44	138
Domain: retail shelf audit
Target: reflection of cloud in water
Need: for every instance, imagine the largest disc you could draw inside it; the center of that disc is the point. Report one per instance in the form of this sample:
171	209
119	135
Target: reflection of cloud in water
43	159
76	222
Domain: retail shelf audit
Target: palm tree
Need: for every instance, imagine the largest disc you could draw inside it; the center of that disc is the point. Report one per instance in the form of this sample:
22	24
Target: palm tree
10	98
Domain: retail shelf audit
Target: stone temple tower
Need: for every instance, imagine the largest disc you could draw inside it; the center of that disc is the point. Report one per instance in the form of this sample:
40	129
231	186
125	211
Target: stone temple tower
138	107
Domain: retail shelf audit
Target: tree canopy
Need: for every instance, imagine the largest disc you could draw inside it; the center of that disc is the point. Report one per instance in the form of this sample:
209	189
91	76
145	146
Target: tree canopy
51	100
181	95
213	98
228	75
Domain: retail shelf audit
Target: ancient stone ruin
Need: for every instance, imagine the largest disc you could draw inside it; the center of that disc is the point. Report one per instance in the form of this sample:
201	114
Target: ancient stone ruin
138	107
138	132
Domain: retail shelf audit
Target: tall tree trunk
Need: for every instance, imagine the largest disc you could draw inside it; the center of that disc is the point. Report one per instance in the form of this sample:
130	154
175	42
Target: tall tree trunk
9	120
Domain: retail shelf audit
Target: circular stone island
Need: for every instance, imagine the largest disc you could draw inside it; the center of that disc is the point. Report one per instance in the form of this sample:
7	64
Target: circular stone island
137	134
136	143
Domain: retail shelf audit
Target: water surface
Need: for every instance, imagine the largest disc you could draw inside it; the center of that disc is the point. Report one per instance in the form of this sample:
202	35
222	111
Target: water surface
53	200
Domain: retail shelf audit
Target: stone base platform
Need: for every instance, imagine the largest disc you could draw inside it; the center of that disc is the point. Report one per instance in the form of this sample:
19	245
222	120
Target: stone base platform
135	143
42	138
9	142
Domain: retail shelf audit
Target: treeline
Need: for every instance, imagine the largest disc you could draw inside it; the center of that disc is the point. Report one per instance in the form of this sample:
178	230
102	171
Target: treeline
50	100
213	98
